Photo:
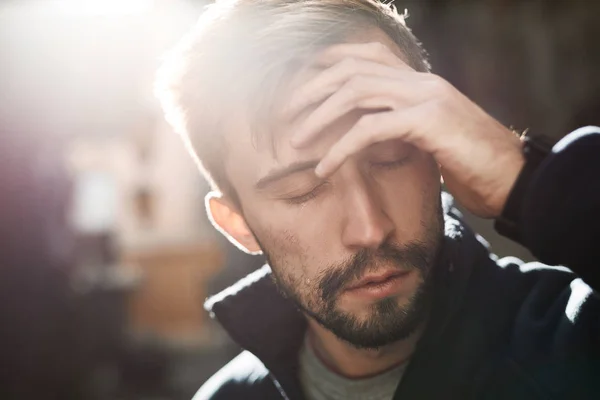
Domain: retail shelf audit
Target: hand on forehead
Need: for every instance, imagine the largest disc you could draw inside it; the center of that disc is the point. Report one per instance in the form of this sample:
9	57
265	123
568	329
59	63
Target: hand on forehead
373	47
300	104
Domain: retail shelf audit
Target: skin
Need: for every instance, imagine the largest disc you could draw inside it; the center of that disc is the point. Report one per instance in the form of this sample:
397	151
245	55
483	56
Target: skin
373	134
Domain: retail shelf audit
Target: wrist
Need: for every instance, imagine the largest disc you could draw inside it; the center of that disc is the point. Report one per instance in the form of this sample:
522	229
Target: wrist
534	151
511	170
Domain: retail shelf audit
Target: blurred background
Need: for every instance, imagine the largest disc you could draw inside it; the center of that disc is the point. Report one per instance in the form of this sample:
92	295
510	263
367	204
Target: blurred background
106	255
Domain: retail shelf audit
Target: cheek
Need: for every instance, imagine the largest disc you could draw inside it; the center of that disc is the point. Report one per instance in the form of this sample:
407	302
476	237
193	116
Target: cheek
412	199
293	261
287	249
303	232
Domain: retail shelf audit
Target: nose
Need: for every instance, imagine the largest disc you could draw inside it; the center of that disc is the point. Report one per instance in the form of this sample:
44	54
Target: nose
366	224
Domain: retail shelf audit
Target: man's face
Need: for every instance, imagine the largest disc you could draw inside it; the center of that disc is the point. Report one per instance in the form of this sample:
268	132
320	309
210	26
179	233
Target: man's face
354	251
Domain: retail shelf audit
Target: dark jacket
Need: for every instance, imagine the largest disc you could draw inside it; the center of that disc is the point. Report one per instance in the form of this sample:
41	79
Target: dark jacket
500	329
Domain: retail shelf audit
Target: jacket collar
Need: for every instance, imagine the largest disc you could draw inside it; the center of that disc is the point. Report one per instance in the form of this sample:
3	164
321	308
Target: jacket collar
262	321
258	318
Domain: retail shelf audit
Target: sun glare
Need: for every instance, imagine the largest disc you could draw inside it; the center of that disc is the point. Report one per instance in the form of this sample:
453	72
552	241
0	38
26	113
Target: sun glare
78	8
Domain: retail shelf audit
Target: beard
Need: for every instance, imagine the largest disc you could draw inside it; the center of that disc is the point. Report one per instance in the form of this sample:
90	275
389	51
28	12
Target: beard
387	321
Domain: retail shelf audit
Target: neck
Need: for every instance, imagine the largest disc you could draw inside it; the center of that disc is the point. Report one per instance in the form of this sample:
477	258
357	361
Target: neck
350	362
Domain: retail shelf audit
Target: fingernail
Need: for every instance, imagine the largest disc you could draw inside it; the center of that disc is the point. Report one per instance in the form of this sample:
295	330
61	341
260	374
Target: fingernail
319	170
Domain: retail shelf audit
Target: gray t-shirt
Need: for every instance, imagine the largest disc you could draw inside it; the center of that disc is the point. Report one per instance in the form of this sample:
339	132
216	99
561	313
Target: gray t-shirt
319	383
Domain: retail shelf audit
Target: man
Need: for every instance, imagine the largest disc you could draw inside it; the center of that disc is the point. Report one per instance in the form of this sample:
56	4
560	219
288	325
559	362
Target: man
324	136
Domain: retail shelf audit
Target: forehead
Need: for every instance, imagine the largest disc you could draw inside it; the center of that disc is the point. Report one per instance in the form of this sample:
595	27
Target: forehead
248	161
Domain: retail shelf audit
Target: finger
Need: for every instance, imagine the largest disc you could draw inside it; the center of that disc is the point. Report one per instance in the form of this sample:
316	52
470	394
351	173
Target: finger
331	79
373	51
370	129
360	92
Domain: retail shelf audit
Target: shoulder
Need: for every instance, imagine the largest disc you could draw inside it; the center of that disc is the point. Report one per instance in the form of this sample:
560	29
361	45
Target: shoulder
244	377
551	327
534	282
537	279
548	298
512	293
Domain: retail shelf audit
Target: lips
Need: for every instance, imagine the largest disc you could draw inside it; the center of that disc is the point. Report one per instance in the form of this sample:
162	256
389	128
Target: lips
376	279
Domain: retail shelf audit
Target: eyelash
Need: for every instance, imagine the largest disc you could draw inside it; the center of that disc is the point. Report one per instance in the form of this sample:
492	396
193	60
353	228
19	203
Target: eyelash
315	192
305	197
391	164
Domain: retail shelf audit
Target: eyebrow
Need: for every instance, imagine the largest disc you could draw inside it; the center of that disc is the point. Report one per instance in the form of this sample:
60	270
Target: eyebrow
279	174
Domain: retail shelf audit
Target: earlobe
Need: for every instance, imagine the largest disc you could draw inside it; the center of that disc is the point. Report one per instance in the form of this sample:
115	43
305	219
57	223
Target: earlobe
228	220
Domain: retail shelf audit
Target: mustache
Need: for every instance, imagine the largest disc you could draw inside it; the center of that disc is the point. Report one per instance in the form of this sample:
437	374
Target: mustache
407	257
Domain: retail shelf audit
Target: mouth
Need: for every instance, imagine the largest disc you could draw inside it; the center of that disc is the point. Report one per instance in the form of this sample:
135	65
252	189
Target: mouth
380	285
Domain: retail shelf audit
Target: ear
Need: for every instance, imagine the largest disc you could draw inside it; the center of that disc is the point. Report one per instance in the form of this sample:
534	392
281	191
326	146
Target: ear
225	217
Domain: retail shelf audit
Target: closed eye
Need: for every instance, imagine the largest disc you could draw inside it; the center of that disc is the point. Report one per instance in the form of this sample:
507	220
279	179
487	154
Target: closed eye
307	196
390	164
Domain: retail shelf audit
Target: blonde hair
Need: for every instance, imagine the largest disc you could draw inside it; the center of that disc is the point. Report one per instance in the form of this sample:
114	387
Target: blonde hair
240	52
